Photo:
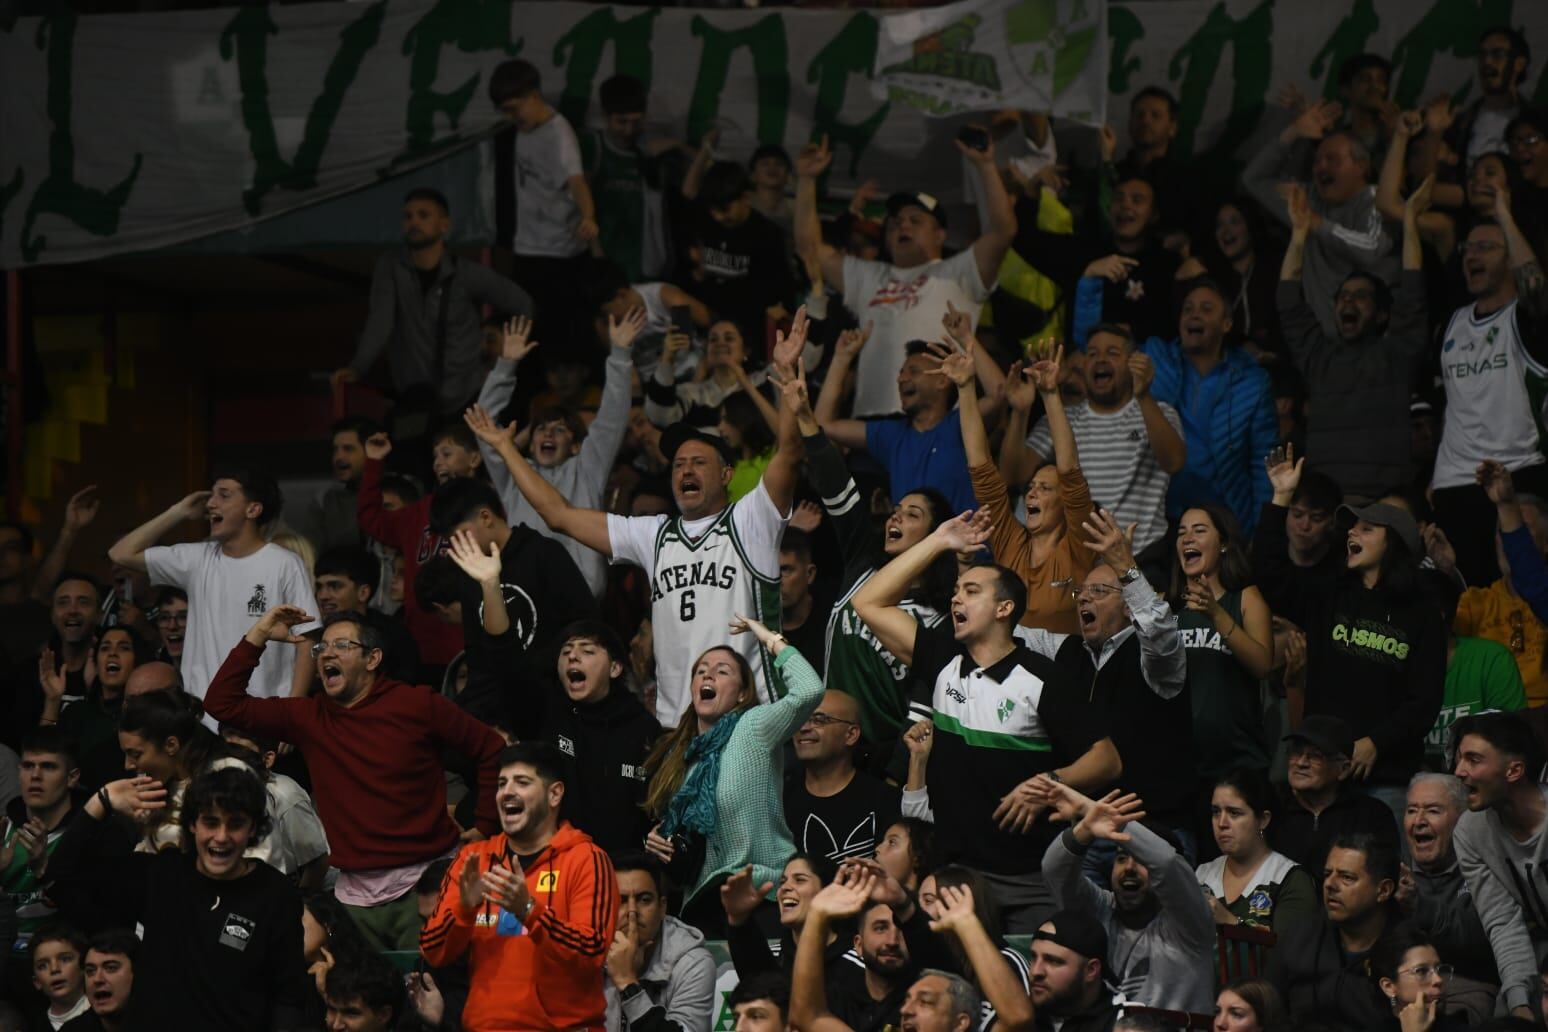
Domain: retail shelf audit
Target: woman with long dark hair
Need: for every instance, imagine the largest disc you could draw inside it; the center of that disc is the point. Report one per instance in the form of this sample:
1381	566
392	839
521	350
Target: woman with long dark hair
1227	630
93	721
1410	973
1240	256
1376	647
163	737
1250	884
715	782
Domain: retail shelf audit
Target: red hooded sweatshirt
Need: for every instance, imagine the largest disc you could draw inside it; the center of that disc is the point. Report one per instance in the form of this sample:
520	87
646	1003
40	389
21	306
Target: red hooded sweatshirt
544	972
408	530
377	776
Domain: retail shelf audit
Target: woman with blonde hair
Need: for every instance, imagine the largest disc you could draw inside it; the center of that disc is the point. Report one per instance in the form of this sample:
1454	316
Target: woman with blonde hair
290	541
715	782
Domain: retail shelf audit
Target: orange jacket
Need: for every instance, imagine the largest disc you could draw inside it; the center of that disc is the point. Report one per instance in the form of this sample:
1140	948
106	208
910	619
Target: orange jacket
546	973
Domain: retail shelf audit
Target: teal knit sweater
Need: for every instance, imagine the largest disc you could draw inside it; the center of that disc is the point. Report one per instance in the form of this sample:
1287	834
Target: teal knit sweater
749	796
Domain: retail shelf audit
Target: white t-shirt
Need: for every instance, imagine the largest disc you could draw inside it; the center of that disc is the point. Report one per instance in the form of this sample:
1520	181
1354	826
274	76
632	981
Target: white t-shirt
1485	368
57	1021
1119	464
226	597
703	573
546	215
905	305
1488	135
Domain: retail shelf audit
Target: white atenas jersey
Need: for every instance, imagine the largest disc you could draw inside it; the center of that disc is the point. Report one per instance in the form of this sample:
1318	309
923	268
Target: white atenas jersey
1491	384
702	574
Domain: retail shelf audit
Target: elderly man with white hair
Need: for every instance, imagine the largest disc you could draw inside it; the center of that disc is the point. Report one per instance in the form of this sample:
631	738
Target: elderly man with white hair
1432	890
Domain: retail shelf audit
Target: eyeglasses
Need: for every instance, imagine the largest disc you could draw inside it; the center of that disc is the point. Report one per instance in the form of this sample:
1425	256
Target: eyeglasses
825	720
1424	972
1095	592
1479	247
1529	140
180	619
337	645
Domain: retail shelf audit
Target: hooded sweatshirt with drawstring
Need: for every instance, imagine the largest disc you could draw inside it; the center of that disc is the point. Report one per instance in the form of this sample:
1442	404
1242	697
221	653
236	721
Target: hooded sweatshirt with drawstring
543	972
678	982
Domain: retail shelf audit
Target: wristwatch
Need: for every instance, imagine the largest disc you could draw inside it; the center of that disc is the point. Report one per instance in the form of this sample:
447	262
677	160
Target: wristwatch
630	991
1054	776
1129	576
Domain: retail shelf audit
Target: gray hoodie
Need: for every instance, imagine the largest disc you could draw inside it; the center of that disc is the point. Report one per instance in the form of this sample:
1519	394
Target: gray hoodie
679	985
1515	926
581	478
1351	237
1170	962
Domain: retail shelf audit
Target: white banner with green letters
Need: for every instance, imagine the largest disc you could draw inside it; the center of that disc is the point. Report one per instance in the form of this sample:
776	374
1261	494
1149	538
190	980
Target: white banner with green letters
125	133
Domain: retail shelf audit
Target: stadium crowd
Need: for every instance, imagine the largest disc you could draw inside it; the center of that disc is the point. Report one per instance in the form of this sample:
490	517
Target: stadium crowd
1150	639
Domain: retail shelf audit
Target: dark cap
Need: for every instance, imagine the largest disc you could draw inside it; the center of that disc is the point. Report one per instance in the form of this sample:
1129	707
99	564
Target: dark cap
1332	735
680	433
1076	930
898	201
1398	521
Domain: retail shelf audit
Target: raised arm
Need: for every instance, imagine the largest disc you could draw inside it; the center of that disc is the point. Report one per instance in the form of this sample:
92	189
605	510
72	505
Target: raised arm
1165	440
588	526
998	981
1163	660
849	433
810	162
844	898
1017	459
877	600
703	158
227	699
990	247
1531	288
80	510
957	368
1045	372
605	435
484	568
515	345
1389	185
129	550
784	469
776	722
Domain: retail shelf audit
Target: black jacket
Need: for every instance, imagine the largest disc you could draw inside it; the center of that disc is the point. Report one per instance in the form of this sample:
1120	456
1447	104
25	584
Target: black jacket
605	744
1320	982
1304	837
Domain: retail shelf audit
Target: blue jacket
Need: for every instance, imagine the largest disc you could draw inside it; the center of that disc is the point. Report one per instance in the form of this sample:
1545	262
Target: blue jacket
1228	418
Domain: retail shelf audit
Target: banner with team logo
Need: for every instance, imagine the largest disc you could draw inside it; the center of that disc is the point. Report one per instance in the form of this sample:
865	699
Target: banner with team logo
230	126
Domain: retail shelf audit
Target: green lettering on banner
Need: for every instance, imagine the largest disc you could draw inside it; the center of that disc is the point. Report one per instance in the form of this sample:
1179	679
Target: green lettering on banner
1251	65
1124	29
1348	39
1448	27
765	42
580	50
852	51
95	211
247	39
471	26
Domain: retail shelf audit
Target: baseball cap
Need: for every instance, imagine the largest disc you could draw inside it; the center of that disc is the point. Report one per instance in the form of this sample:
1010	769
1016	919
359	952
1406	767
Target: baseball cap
1076	930
680	433
1332	735
898	201
1399	521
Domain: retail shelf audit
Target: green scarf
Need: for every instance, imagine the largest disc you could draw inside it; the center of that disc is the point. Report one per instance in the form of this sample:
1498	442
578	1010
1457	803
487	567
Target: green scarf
693	807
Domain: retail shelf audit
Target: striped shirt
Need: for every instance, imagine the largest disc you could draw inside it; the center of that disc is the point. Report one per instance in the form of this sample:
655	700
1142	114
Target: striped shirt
1119	464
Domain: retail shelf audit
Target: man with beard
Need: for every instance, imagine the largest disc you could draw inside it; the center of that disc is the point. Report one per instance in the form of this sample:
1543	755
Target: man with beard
1223	395
660	977
1479	128
1359	379
922	448
426	311
1320	964
1500	844
1069	960
892	994
373	747
74	612
1433	892
109	970
1117	411
1160	931
534	909
1345	229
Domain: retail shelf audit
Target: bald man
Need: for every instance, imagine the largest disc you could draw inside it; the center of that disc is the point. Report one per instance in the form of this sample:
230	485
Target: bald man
152	677
833	809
